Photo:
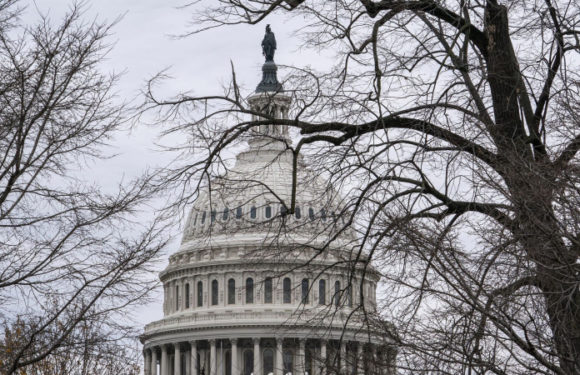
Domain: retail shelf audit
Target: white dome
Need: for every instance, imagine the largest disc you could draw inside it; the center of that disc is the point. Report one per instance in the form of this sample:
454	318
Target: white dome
255	197
252	273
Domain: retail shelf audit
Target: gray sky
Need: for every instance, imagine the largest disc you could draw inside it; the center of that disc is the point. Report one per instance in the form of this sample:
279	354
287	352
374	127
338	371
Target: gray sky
144	44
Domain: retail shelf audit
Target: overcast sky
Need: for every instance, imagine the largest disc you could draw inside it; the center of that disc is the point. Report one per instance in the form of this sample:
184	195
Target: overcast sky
145	43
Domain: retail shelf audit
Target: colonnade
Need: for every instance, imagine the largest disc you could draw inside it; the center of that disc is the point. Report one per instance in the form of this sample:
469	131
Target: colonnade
267	356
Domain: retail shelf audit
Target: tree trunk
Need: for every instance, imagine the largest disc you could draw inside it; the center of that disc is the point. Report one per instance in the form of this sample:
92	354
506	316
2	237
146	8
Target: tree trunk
532	191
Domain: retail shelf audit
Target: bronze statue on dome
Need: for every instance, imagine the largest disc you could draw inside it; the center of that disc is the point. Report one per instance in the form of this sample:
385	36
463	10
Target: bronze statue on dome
269	44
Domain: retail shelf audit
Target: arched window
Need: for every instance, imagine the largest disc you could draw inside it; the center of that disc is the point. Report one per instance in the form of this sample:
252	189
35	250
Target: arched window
253	212
283	210
305	290
203	217
199	294
213	213
287	290
176	297
239	213
268	212
337	292
195	219
322	292
268	361
323	214
231	291
249	290
288	359
248	362
311	213
214	292
268	290
297	213
187	296
226	213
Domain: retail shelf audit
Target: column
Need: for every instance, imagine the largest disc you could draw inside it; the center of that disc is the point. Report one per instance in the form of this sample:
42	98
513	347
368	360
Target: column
177	360
301	365
257	356
212	358
153	365
343	361
315	359
147	361
373	359
322	357
163	365
187	362
359	359
380	359
193	358
234	343
279	360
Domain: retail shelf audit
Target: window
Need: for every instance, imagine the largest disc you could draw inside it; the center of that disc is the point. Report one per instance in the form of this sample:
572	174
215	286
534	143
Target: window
322	292
231	291
287	290
213	213
226	213
305	289
187	296
214	292
248	362
349	295
297	213
283	210
195	220
308	362
253	212
249	290
239	213
323	214
268	212
288	359
199	294
268	361
203	217
176	297
228	363
268	290
337	293
311	213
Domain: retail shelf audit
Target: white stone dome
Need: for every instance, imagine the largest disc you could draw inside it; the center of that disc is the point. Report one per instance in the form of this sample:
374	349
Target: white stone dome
254	200
254	273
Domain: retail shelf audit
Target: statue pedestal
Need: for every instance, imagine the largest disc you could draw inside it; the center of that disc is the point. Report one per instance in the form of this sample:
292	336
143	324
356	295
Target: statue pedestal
269	79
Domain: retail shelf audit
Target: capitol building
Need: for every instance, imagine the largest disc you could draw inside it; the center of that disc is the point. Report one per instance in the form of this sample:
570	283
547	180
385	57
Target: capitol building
266	281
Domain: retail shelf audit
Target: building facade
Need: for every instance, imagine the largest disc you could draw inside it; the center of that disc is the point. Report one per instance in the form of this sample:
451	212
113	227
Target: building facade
258	288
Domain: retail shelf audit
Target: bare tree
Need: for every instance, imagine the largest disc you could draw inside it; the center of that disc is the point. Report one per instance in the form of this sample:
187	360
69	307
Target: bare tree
88	350
71	254
451	127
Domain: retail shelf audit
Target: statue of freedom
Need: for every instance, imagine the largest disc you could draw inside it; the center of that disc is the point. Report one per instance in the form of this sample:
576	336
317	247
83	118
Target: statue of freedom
269	44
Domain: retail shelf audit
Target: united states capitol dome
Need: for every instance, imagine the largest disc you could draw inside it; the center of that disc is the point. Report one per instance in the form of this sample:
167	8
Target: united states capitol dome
263	193
265	280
